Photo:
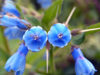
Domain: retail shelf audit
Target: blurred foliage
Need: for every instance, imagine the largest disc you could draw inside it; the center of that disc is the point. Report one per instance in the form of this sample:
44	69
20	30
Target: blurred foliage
86	16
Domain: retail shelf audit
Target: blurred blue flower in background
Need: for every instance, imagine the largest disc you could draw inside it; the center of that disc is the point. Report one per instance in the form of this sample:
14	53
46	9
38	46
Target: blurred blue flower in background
8	21
59	35
23	24
35	38
9	7
14	33
45	3
17	61
16	27
82	65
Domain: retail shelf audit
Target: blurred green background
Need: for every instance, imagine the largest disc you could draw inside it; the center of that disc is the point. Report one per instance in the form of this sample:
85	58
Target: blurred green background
87	15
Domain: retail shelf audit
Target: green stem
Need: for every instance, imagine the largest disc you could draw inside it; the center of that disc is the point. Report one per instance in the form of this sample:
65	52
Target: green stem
52	69
5	40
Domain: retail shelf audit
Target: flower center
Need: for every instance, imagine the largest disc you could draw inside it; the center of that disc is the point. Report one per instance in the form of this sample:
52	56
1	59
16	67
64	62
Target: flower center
60	35
35	37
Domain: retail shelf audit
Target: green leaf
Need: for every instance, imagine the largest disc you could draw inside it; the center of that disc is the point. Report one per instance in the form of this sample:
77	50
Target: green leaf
51	13
97	25
78	39
32	20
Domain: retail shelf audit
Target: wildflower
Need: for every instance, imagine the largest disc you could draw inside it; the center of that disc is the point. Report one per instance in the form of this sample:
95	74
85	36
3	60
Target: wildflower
8	20
35	38
59	35
82	65
9	7
17	61
14	33
23	24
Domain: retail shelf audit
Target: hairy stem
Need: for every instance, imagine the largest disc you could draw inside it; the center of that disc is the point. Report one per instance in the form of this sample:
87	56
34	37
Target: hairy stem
70	15
87	30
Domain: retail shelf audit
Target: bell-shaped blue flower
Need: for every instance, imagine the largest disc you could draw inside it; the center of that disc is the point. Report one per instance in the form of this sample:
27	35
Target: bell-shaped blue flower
9	7
35	38
76	52
14	33
8	21
82	65
59	35
17	61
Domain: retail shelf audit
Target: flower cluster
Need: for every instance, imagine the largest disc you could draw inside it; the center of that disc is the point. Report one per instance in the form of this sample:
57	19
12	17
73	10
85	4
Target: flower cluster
35	39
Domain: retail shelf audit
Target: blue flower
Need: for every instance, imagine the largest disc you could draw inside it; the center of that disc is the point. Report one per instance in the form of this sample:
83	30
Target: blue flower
14	33
8	21
23	24
82	65
35	38
59	35
9	7
17	61
76	52
45	3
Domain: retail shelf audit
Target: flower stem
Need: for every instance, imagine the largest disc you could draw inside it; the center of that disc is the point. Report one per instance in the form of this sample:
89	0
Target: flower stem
70	15
52	60
78	31
47	59
5	40
87	30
